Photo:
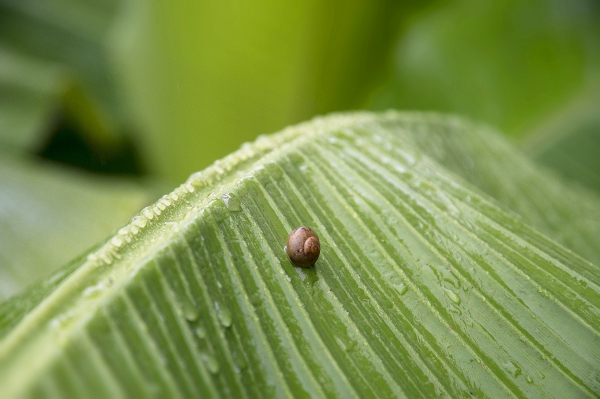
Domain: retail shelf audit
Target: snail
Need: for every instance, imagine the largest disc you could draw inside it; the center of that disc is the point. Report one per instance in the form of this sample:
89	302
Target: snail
303	247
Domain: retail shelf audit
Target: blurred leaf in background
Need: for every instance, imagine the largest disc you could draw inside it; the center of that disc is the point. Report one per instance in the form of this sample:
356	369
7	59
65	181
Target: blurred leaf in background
529	67
49	215
48	49
146	92
58	102
206	76
506	63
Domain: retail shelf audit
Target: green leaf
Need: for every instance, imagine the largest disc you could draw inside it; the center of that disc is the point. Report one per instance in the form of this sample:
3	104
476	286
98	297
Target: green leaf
55	60
562	210
569	141
272	65
511	63
49	215
28	88
426	286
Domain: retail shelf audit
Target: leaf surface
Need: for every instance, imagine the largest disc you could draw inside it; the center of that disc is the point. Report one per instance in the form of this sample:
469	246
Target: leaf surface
426	285
49	215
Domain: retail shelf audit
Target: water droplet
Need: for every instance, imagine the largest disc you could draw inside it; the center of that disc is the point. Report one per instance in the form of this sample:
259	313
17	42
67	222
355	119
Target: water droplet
139	221
200	333
240	362
452	280
211	363
106	258
529	379
517	372
403	289
148	213
256	299
189	311
224	315
62	321
300	273
165	202
513	368
94	290
455	310
307	274
452	295
232	202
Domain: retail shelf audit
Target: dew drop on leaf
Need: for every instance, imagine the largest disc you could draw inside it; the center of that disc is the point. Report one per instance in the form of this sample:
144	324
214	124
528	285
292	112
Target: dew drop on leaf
403	289
223	314
452	295
200	333
232	202
240	362
212	365
517	372
189	311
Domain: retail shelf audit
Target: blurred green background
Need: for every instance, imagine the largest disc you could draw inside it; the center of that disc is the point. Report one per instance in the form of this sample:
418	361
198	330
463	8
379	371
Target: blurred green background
106	105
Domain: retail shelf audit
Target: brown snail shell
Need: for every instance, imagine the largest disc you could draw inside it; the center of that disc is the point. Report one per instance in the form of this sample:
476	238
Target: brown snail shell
303	247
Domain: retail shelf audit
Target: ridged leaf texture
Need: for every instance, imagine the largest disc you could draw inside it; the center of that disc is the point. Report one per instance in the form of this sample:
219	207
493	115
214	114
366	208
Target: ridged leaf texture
433	278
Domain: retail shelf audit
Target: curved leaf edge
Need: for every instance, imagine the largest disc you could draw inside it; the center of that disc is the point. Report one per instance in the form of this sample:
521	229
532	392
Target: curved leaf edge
118	260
